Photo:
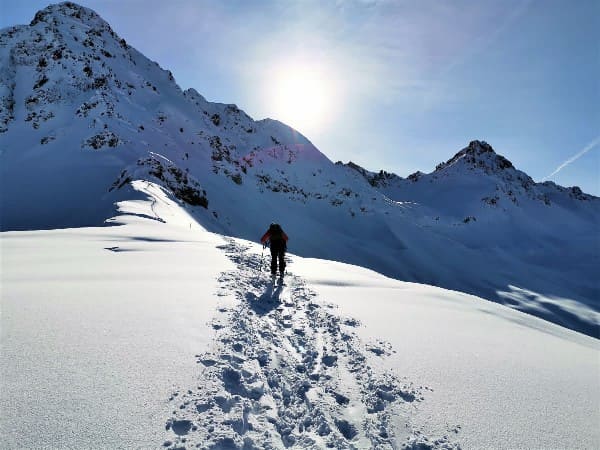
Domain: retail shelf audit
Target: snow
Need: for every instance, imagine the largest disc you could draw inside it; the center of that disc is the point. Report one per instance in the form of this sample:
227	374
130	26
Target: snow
97	326
135	312
155	331
509	380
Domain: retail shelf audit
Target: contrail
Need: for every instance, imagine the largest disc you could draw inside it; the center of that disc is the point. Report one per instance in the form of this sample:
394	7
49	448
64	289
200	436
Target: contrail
575	157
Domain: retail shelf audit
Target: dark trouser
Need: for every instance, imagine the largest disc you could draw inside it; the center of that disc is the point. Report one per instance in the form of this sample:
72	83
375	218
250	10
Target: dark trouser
277	253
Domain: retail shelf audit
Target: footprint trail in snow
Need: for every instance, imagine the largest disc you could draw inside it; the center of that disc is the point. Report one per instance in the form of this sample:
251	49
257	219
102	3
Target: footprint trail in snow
286	371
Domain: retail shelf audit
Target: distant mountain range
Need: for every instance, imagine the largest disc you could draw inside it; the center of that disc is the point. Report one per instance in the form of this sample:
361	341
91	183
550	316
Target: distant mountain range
83	115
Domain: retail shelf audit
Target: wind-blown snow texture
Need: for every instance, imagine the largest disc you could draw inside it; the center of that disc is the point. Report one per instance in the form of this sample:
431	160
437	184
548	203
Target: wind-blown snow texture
83	115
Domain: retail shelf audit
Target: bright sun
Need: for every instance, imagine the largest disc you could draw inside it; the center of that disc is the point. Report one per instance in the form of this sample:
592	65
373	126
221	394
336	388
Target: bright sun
303	96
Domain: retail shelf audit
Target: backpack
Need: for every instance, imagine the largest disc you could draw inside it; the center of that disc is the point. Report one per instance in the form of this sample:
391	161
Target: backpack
276	232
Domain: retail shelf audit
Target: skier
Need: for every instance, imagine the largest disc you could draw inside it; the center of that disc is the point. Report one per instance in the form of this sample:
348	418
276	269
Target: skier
276	238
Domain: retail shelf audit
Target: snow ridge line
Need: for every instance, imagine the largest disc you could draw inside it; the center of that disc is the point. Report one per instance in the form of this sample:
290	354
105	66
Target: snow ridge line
287	372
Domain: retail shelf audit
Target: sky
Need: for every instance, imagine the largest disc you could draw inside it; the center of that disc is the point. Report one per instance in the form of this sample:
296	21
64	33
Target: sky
397	85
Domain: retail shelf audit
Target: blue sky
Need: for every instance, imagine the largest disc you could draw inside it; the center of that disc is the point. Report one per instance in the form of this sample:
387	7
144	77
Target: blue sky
399	85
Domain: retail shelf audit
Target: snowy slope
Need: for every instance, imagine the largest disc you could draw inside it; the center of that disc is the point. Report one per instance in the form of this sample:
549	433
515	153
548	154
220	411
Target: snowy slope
97	326
158	333
498	377
523	232
84	116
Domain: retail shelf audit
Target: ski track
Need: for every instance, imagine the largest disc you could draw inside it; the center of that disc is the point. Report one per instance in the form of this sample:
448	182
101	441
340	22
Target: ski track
286	371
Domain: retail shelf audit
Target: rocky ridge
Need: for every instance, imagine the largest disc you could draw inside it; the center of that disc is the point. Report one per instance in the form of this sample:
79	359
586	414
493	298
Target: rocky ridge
477	159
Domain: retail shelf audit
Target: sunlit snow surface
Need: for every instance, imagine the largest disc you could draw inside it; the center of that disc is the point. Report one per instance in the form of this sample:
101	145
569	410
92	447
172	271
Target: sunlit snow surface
156	332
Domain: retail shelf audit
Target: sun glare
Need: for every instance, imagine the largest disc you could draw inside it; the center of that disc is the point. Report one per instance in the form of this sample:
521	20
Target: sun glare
302	96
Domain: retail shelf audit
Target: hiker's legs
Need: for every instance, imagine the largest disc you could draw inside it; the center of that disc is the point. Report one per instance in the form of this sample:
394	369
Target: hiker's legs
281	261
273	261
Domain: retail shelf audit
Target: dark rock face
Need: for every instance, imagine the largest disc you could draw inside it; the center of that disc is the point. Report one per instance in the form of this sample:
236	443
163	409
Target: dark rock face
178	181
479	154
375	179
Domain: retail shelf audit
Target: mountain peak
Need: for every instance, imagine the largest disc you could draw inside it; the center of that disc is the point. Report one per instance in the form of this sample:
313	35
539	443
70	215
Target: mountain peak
67	10
479	147
478	154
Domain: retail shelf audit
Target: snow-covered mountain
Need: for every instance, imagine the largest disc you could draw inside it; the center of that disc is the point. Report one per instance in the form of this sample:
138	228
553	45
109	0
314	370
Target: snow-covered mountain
84	116
521	227
473	179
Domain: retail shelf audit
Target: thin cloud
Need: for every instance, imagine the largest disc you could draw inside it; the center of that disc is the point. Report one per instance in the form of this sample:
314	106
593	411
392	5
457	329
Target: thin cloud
575	157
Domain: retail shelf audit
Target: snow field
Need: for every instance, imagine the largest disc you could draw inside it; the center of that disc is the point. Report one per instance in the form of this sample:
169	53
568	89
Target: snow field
97	326
157	333
508	379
